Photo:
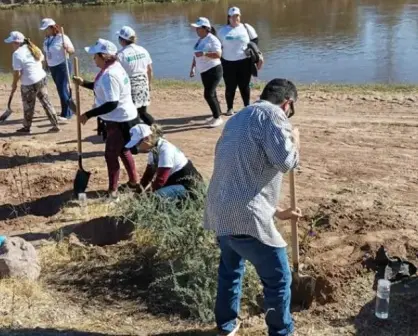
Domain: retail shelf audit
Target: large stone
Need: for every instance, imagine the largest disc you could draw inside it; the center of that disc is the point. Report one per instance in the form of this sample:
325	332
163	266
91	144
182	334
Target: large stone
18	258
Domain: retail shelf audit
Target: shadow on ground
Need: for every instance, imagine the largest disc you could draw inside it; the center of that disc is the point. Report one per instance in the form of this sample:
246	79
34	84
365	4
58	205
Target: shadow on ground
188	333
49	332
100	231
43	207
403	312
8	162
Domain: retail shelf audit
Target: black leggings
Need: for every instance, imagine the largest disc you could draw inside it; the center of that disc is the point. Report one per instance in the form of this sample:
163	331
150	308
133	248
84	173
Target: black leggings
145	116
210	80
237	73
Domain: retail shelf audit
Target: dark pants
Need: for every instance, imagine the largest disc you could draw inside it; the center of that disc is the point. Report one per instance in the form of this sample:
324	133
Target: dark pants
59	75
145	116
237	74
272	267
210	80
115	148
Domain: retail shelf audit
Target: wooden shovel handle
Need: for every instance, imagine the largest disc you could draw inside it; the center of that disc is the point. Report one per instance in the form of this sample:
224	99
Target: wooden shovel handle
78	106
294	222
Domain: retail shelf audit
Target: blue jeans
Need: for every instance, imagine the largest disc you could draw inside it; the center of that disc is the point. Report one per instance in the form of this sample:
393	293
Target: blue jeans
172	191
272	267
59	75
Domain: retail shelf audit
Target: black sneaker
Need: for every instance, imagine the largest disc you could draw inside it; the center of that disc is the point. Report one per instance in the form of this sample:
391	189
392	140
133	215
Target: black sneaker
23	130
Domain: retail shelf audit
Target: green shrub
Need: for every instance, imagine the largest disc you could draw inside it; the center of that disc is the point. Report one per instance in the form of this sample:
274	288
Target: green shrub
184	262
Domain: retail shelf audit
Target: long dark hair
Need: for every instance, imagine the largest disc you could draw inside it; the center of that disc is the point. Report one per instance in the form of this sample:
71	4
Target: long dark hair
227	20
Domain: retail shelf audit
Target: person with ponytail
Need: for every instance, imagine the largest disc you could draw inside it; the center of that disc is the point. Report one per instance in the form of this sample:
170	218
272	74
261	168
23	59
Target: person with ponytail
28	69
168	173
114	105
206	59
53	47
138	64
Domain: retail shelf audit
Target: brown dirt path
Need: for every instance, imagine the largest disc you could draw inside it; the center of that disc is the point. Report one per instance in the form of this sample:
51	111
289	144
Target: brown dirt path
357	185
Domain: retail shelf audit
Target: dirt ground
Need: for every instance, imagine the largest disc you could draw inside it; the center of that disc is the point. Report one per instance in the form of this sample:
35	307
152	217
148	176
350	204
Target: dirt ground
357	187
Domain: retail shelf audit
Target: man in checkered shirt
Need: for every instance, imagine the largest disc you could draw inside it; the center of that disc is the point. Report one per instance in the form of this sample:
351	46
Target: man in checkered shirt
256	148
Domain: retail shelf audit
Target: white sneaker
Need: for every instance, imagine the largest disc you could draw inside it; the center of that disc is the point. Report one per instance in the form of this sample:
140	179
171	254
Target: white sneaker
233	332
209	119
216	122
230	112
62	120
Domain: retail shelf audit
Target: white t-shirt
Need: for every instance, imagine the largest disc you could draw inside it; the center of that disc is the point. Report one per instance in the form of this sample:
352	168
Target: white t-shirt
235	40
209	44
134	59
53	49
31	70
114	85
169	156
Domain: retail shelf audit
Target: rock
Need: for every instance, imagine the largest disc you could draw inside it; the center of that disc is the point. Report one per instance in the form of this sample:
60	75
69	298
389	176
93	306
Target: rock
18	258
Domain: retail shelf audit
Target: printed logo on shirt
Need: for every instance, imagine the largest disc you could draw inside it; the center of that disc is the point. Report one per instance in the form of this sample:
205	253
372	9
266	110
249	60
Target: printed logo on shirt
135	57
126	81
235	37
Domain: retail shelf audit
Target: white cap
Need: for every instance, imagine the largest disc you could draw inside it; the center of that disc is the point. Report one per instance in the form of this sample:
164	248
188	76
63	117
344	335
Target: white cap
47	22
234	11
15	36
102	46
126	33
138	132
201	22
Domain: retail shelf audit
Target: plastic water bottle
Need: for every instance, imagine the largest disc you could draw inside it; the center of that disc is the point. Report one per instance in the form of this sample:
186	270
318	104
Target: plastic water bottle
82	199
382	299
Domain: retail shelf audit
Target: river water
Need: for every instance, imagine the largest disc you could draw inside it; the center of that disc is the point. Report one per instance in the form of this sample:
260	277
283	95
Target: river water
341	41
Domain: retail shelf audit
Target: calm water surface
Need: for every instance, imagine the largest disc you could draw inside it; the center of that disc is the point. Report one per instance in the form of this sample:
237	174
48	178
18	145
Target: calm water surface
344	41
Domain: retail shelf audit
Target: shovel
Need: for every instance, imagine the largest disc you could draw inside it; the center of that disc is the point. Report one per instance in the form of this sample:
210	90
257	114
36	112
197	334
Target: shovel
82	177
303	286
70	102
8	111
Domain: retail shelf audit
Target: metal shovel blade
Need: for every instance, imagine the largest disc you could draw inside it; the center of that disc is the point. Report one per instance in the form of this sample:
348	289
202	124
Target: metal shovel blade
81	181
5	115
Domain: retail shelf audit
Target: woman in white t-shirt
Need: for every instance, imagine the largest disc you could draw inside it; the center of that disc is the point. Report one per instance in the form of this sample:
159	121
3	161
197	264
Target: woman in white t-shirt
138	64
168	173
113	103
28	69
235	37
206	59
53	48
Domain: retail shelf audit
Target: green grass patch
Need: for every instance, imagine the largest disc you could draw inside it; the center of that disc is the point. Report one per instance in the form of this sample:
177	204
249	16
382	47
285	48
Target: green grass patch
178	84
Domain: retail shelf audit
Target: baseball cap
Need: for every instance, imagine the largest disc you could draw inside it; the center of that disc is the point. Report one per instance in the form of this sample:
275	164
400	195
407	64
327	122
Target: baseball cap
15	36
138	132
234	11
126	33
102	46
201	22
47	22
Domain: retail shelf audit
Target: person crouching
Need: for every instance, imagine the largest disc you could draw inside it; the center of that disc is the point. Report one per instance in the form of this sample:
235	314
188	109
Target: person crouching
168	173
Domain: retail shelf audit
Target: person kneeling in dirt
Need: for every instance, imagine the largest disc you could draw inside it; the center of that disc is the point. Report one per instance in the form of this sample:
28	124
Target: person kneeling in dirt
168	173
256	148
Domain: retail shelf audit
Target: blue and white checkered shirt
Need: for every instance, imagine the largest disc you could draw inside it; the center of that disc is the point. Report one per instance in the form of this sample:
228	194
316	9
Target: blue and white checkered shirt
251	156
